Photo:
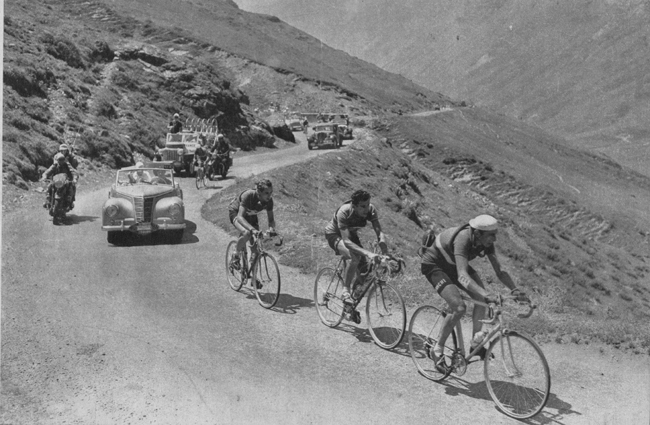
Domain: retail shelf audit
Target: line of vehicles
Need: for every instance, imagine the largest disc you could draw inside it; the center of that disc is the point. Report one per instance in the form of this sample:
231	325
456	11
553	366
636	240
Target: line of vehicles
147	198
322	129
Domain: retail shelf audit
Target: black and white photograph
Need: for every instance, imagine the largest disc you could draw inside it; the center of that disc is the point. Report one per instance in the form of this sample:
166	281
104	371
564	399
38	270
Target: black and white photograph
307	212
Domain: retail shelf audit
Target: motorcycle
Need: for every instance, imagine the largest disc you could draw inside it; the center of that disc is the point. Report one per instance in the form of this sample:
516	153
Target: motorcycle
219	165
58	197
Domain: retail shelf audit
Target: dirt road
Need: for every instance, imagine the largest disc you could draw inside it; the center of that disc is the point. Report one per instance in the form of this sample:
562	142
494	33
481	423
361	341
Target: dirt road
150	333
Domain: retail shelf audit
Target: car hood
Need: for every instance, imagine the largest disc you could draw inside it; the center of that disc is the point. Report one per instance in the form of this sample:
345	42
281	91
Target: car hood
136	191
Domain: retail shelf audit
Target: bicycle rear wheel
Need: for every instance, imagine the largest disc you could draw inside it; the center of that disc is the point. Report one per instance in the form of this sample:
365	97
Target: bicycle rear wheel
386	315
424	330
517	375
266	280
235	274
327	296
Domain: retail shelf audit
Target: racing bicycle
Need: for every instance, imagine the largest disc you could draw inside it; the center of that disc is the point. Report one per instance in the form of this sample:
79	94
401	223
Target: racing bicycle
385	310
516	372
263	272
201	177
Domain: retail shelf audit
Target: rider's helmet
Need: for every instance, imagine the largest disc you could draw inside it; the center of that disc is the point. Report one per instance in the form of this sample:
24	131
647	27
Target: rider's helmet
64	148
59	158
176	116
220	137
484	222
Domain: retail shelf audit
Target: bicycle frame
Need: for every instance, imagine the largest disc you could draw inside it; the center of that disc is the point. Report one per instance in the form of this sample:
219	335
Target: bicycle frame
494	314
257	242
371	278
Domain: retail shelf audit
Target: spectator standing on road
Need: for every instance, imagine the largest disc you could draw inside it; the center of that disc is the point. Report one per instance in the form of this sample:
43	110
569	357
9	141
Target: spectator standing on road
175	125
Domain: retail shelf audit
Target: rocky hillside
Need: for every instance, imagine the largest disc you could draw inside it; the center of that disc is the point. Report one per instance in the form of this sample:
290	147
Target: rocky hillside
578	69
88	74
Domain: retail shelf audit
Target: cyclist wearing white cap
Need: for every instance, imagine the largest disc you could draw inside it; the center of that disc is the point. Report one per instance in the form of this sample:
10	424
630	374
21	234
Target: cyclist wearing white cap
446	266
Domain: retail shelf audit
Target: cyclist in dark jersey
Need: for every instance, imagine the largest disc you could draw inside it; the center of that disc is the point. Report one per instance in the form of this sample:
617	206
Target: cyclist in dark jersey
243	211
446	266
342	237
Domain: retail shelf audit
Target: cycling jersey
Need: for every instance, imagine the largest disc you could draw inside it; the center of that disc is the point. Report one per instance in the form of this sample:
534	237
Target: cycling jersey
443	252
346	219
251	203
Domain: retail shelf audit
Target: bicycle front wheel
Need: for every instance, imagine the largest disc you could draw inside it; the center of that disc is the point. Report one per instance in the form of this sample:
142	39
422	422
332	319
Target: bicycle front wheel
386	315
266	280
199	178
424	330
328	288
517	375
234	271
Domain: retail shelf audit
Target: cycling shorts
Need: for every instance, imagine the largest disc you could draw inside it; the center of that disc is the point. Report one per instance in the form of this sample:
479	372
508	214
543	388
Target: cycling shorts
252	220
439	277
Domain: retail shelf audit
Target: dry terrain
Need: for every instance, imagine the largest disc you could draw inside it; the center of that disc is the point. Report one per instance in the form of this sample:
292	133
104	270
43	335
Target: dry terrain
150	333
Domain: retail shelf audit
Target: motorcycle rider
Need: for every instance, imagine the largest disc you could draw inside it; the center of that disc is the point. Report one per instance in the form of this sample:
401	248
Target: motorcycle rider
61	165
221	151
67	151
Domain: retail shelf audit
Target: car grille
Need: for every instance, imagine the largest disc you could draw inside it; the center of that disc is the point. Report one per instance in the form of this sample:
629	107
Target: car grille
169	155
143	209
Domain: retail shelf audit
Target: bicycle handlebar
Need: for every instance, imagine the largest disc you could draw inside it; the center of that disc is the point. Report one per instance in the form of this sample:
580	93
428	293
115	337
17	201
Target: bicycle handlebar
494	309
267	234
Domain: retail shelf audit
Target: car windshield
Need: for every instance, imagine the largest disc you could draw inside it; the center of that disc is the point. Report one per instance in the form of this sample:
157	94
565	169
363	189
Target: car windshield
144	176
324	128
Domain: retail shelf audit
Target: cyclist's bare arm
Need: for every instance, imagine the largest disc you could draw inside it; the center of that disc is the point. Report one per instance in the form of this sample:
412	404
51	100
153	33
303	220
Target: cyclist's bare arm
464	278
271	218
502	275
352	247
380	237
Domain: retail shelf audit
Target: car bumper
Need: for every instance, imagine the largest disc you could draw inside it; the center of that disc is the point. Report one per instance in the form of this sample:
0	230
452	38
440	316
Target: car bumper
129	225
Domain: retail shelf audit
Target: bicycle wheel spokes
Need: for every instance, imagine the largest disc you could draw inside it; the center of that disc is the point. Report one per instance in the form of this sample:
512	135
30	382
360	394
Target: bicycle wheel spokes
266	280
233	273
517	375
424	330
327	296
386	315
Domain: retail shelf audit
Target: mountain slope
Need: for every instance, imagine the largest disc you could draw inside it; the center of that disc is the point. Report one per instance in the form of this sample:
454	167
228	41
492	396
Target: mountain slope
578	69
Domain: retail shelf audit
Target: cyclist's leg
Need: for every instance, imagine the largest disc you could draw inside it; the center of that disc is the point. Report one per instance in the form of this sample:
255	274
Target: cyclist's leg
355	260
479	310
443	284
244	234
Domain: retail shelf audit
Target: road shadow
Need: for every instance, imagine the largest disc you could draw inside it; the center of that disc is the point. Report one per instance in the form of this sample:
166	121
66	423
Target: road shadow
361	334
78	219
210	187
288	304
129	239
456	386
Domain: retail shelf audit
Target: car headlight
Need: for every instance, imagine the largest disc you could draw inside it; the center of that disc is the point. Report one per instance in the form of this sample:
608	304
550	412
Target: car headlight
112	210
174	210
180	152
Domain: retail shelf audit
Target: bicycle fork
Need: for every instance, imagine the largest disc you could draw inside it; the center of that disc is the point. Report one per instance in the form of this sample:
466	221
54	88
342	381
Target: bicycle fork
513	371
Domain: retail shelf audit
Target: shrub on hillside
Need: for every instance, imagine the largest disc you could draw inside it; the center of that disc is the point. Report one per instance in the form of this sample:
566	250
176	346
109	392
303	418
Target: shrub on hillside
27	82
63	49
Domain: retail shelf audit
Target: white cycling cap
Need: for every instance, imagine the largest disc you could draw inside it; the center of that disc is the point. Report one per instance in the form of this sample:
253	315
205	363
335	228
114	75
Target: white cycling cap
484	222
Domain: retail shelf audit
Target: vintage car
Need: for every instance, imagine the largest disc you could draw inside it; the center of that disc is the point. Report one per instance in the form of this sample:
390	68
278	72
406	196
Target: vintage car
142	201
179	151
324	134
294	123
